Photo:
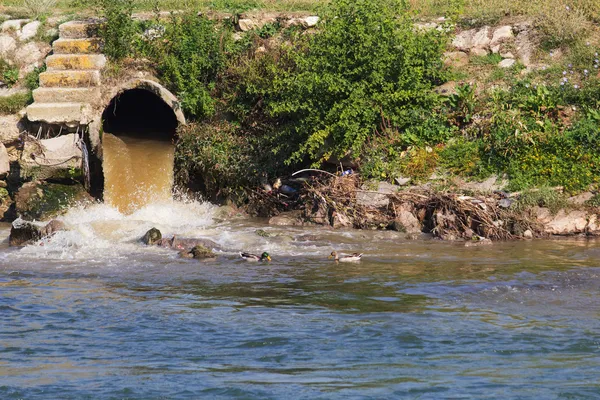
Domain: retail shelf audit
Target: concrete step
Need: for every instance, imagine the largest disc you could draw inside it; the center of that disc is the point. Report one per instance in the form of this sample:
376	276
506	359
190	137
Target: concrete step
77	46
59	113
75	61
66	95
79	29
70	79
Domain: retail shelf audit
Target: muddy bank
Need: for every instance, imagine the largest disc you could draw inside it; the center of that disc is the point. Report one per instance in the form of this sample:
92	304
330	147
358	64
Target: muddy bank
453	215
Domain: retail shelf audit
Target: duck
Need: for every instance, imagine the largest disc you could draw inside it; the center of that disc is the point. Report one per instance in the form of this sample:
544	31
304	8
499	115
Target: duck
253	257
346	258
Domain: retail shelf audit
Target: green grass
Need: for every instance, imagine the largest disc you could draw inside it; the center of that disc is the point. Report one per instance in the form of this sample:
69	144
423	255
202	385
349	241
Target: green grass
14	103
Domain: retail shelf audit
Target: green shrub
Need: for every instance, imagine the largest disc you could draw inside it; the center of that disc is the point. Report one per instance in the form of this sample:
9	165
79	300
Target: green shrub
118	29
14	103
366	61
541	197
188	58
214	157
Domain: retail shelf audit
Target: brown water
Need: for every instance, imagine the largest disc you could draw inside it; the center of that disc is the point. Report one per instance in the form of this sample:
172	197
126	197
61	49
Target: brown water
137	171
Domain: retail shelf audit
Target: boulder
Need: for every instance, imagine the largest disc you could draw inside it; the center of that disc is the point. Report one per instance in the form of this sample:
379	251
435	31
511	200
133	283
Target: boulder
10	128
507	55
405	220
59	157
501	34
569	223
12	25
24	232
456	58
31	54
4	161
375	198
479	52
7	45
201	252
44	200
29	30
481	39
340	220
152	236
581	198
309	22
246	24
464	40
525	47
506	63
291	218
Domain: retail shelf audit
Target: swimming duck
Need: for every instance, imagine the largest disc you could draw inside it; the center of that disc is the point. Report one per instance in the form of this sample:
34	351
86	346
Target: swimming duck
346	258
253	257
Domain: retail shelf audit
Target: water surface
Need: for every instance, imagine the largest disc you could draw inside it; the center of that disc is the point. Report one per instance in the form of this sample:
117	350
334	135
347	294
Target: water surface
94	314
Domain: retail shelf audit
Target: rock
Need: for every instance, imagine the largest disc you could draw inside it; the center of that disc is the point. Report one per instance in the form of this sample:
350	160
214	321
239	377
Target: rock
246	24
13	25
528	234
43	200
495	49
10	128
567	223
581	198
201	252
505	203
152	236
7	45
265	234
507	63
59	157
456	58
29	30
31	54
339	220
375	198
24	232
188	244
406	218
479	52
464	40
402	181
525	47
52	227
501	34
291	218
487	186
425	26
481	39
309	22
507	55
4	161
397	226
541	214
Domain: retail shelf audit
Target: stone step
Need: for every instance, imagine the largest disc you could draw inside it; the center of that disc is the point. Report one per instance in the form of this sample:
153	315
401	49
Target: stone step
60	113
77	46
70	79
75	61
79	29
66	95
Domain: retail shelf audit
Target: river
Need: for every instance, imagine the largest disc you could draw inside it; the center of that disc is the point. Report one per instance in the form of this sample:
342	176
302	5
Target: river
94	314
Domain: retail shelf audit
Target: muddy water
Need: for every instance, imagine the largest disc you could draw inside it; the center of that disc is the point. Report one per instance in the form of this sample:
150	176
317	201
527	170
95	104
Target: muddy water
94	314
138	170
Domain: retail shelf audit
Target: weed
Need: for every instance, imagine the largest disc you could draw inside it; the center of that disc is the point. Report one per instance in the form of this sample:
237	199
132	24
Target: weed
14	103
541	197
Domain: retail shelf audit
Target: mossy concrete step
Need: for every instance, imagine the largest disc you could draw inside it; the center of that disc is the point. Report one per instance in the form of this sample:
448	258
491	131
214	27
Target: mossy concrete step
75	61
70	79
77	46
60	113
66	95
79	29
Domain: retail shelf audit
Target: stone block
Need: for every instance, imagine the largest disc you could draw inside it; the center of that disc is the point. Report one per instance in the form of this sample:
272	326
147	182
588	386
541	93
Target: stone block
77	46
78	29
75	61
78	78
67	95
59	113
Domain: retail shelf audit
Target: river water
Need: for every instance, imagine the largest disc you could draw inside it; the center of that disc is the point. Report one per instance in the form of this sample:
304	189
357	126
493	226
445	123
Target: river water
94	314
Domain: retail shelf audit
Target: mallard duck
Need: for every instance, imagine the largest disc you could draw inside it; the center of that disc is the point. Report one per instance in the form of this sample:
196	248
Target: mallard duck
253	257
346	258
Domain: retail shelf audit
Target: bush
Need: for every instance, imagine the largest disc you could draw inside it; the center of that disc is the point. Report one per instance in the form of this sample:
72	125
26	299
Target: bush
188	58
118	29
366	61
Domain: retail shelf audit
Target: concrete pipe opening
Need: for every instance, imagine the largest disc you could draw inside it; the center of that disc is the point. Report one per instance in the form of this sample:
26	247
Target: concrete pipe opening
139	125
